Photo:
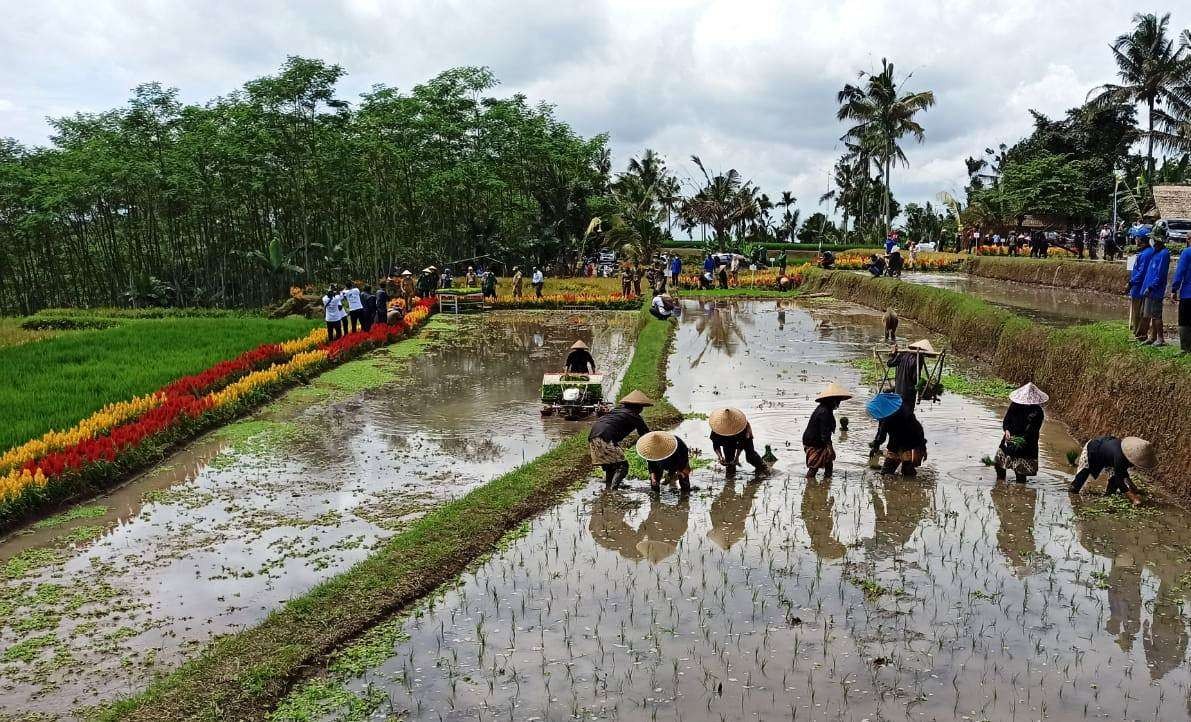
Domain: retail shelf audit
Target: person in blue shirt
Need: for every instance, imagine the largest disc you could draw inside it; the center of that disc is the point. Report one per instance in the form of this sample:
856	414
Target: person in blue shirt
675	269
1134	290
709	264
1180	291
1154	288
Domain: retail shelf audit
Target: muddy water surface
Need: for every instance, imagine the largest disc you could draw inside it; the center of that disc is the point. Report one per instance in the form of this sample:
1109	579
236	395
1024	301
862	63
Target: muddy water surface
93	604
948	596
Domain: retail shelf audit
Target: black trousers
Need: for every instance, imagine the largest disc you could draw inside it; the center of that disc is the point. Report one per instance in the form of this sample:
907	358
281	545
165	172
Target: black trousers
750	453
1185	311
333	330
366	318
357	318
658	314
537	290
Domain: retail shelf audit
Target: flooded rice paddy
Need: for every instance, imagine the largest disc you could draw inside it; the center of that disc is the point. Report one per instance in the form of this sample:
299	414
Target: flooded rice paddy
945	597
96	601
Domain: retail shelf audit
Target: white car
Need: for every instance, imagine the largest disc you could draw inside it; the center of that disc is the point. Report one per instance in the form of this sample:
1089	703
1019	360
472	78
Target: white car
927	246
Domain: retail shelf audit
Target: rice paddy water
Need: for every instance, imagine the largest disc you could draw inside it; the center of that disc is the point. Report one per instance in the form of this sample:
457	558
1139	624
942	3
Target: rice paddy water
948	596
96	601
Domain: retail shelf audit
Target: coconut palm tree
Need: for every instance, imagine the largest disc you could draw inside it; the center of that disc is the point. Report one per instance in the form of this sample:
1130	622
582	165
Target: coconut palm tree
1151	68
883	115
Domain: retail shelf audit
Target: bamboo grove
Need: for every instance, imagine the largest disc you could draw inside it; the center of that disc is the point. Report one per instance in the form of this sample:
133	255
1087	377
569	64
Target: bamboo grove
282	182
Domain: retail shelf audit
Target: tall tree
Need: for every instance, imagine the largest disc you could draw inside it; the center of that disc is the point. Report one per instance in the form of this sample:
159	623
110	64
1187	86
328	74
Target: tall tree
883	114
1151	68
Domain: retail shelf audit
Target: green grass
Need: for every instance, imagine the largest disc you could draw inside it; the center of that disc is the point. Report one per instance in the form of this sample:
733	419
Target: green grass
647	369
13	334
54	383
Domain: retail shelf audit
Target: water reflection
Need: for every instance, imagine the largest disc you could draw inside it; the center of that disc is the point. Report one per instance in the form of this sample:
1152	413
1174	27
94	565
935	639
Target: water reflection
1014	504
730	512
818	515
657	537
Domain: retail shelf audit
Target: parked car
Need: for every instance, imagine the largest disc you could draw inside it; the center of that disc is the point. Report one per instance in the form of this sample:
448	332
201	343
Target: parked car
1178	230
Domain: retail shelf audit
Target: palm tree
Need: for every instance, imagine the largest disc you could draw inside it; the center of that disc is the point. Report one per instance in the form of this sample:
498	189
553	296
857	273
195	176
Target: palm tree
883	114
1150	68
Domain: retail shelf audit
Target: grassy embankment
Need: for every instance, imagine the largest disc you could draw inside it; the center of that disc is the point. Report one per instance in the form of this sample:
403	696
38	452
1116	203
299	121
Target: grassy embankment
242	676
1104	277
54	382
1099	381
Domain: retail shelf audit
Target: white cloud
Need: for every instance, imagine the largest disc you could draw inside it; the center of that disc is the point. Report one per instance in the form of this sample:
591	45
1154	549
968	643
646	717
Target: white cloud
748	84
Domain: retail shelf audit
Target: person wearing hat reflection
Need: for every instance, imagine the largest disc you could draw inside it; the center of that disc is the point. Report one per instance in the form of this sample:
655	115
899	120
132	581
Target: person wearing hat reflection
1018	451
580	360
816	439
910	365
607	433
731	435
667	456
898	425
1119	455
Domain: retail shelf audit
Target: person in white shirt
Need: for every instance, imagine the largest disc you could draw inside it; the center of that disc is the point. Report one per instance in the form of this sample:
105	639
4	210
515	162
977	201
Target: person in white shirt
538	280
663	307
355	306
333	312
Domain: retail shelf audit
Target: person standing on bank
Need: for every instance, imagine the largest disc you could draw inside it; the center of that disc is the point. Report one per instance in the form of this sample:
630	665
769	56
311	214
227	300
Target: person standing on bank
816	439
518	282
1018	451
580	360
1136	296
488	285
667	456
1180	291
608	431
332	312
675	269
381	302
897	423
368	314
732	435
1154	290
1119	455
355	305
538	280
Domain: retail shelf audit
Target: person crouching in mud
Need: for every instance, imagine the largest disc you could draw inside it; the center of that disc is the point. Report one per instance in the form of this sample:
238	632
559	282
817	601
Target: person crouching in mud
731	435
897	423
1119	455
816	439
607	433
668	456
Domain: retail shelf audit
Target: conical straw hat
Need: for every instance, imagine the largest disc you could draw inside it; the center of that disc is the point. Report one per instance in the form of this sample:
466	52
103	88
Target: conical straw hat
834	391
657	445
578	344
925	347
1029	395
432	268
727	422
1139	452
638	398
428	269
406	272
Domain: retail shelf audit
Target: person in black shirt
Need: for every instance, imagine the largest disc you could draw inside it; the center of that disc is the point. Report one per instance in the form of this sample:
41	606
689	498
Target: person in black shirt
580	360
731	435
368	312
816	439
910	366
1119	455
898	425
607	433
1018	451
381	301
667	455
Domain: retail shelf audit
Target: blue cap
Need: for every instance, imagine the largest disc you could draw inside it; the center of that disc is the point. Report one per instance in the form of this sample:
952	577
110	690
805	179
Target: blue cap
884	405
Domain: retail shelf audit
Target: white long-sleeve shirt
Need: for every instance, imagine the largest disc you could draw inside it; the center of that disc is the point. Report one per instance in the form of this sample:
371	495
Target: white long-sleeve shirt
538	277
333	308
353	299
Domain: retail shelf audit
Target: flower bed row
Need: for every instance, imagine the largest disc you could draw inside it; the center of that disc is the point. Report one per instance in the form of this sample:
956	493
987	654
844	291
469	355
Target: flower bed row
605	302
126	436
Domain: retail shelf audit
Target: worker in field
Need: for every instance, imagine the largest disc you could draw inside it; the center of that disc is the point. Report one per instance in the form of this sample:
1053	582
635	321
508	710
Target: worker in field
427	281
1117	455
732	436
910	368
488	285
816	439
408	287
1022	425
897	424
668	457
579	359
610	430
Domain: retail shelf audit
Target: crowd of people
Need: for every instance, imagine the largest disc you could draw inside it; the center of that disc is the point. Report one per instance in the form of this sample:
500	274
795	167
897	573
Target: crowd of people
1149	282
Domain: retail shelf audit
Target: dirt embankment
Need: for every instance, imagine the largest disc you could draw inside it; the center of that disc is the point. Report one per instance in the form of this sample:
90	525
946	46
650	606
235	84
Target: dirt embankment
1103	277
1098	380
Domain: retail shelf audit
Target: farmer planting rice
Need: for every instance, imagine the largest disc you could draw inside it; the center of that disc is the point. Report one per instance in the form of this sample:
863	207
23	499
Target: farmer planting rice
816	439
897	423
607	433
910	365
1118	455
1018	451
731	435
580	360
667	456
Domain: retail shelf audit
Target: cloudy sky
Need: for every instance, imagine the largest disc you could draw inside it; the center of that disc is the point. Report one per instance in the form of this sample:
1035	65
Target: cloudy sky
744	84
